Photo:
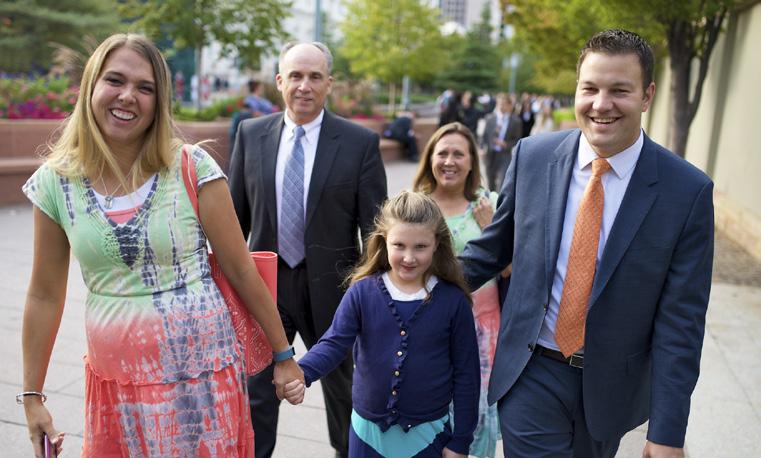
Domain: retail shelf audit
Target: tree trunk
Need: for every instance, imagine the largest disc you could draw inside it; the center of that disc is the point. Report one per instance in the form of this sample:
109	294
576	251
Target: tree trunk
680	88
680	60
687	41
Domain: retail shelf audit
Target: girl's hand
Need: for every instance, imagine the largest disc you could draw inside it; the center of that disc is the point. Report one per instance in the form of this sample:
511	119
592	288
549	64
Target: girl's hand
294	392
450	454
483	212
40	423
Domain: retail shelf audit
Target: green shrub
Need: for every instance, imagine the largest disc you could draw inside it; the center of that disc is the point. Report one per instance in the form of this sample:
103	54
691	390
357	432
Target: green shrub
222	108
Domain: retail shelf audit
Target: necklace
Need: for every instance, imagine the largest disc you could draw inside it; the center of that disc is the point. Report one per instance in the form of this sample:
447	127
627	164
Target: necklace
109	196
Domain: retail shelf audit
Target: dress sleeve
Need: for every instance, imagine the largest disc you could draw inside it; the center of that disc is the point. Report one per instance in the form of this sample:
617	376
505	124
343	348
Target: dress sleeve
41	189
207	168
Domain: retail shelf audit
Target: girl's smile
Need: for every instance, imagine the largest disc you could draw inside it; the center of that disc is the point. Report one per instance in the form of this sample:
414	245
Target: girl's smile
410	253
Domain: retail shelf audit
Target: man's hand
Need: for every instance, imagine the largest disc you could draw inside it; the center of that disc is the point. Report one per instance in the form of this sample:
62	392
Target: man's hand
285	372
653	450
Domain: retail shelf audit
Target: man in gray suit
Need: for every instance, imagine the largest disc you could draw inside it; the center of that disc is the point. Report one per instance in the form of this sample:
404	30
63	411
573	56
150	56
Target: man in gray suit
501	132
306	183
611	240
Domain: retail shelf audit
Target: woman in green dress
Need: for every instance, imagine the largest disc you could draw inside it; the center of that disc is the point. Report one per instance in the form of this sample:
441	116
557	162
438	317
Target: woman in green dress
163	371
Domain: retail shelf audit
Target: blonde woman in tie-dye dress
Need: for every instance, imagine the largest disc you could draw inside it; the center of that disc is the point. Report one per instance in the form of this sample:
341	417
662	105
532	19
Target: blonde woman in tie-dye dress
164	374
449	172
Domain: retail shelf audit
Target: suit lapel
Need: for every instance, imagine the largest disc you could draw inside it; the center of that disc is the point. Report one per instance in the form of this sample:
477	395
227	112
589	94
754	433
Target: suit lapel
559	172
327	148
270	142
638	199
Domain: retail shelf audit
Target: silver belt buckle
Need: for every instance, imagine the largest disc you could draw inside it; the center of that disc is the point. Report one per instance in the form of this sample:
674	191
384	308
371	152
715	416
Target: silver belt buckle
576	361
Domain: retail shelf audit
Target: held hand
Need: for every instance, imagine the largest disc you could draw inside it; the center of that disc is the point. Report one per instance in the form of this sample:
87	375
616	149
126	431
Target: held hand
508	271
450	454
653	450
294	392
40	423
286	371
483	212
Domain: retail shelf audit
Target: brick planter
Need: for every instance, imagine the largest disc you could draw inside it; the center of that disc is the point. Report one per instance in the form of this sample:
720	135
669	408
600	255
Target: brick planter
23	141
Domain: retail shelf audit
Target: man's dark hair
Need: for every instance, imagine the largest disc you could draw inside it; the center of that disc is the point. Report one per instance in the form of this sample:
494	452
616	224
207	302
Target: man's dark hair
253	85
618	41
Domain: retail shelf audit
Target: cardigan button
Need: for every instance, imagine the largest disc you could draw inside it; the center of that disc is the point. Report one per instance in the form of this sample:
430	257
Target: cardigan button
397	373
393	411
403	332
393	392
399	353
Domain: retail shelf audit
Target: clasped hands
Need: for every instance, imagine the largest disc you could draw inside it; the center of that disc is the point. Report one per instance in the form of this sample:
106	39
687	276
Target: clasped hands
288	379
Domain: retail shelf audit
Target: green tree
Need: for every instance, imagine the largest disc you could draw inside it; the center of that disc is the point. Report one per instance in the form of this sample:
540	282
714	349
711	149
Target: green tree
30	31
244	28
686	31
388	39
476	61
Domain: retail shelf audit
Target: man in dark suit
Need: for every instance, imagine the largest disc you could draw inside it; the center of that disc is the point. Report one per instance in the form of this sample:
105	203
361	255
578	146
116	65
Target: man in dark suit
501	132
611	240
305	183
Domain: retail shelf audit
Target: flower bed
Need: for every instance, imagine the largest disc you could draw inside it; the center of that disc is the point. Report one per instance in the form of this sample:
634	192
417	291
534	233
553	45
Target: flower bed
40	98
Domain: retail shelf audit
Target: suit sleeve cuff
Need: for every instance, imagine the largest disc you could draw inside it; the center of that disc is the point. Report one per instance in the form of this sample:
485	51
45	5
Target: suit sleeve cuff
460	445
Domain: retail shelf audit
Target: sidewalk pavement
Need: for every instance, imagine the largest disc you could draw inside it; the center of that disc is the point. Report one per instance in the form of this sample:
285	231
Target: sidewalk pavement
725	420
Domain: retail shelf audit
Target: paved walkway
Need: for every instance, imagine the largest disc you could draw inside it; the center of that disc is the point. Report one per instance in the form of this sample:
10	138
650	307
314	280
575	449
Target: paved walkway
726	407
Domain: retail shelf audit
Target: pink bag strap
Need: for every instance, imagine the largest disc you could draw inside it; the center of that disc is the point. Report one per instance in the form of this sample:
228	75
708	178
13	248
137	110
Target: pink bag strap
190	178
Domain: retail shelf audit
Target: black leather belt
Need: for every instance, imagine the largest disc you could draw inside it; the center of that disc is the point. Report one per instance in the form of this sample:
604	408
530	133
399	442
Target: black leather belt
573	360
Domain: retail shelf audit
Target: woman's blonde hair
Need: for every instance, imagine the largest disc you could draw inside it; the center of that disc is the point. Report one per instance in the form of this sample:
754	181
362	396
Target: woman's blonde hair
81	149
425	182
411	208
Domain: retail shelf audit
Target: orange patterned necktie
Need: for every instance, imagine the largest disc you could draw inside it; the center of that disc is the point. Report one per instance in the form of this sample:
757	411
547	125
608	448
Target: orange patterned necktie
582	259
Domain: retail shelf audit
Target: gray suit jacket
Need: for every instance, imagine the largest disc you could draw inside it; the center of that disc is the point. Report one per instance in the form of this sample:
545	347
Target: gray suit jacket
347	186
644	329
512	135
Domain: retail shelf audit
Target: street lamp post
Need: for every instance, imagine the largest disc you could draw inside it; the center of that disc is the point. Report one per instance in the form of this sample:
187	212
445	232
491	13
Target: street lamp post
317	21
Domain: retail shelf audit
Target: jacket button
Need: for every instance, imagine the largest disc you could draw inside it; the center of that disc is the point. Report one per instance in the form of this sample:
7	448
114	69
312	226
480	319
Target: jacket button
399	353
396	373
544	307
531	348
403	332
393	392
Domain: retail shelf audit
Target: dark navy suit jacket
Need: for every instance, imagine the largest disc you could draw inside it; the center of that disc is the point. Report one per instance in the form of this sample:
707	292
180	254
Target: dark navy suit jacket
644	329
347	186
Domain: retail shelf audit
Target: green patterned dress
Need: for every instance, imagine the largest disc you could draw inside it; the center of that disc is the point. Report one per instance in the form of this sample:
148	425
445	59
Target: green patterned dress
164	375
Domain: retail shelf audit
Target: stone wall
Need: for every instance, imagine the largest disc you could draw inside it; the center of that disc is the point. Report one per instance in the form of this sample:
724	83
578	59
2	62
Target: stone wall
23	143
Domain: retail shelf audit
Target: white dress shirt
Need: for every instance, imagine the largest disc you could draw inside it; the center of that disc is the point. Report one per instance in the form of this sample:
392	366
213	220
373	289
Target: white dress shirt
308	143
614	184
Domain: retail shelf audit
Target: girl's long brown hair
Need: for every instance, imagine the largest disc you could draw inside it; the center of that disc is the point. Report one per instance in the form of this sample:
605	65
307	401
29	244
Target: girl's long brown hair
411	208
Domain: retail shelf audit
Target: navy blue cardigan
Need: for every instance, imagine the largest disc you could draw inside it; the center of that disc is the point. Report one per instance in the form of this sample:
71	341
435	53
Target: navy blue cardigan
406	372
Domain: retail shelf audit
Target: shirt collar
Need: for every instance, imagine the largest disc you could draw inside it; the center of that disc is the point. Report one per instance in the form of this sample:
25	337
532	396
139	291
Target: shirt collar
311	129
622	163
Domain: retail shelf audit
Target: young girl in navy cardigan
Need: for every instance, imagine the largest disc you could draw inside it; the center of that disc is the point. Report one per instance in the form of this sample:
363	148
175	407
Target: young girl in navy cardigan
407	315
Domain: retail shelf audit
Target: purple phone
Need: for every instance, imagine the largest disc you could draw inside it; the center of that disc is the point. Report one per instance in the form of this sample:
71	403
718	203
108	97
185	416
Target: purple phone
49	450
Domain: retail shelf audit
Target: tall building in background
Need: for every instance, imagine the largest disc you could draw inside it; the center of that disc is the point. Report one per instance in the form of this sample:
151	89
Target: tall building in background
463	15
